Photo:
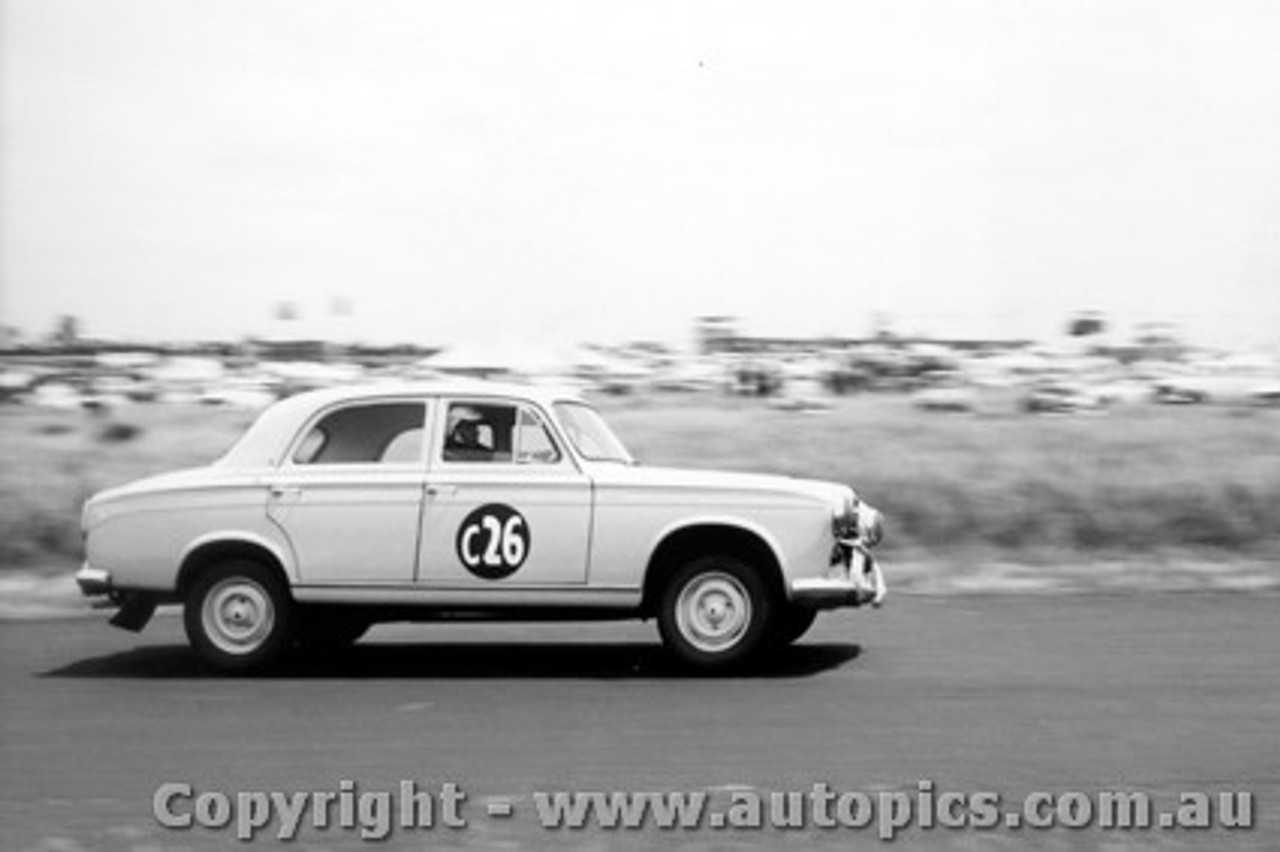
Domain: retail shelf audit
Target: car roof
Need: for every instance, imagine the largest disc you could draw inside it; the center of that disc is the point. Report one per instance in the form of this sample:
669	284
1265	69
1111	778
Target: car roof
544	394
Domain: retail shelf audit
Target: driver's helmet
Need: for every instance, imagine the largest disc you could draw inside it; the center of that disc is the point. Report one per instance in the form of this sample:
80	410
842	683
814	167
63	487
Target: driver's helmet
464	426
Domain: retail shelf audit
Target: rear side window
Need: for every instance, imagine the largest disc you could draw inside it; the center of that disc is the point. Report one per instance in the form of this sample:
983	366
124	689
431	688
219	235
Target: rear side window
379	433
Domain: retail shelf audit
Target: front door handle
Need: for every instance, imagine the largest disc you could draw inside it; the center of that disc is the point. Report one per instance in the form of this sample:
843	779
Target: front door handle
441	490
285	490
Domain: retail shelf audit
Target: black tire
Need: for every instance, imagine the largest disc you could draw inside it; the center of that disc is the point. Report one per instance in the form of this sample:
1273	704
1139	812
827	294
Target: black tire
715	613
237	616
790	623
328	630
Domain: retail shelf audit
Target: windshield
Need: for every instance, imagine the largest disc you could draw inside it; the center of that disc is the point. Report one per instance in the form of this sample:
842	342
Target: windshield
591	437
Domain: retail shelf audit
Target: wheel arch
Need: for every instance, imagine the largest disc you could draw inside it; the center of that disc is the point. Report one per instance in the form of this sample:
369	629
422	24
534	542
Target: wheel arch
214	549
706	538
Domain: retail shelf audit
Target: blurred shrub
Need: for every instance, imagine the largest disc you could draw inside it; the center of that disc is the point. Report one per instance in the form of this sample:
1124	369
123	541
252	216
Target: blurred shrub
118	433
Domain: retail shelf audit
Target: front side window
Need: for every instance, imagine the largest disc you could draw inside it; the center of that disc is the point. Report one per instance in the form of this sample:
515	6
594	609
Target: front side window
534	444
497	432
378	433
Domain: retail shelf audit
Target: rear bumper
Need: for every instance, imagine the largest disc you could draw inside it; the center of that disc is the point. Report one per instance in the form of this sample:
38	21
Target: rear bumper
93	581
863	584
136	607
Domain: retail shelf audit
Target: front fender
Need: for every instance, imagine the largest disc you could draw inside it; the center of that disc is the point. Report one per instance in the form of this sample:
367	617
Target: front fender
747	525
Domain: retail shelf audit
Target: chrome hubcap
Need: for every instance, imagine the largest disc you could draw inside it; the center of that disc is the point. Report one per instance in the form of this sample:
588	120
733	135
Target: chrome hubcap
238	615
713	611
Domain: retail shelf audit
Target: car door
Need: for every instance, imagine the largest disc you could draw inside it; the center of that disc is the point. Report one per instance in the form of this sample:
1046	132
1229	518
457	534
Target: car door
348	496
506	505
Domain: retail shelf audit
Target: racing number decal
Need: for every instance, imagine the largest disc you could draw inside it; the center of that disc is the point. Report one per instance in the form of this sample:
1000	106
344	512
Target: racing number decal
493	541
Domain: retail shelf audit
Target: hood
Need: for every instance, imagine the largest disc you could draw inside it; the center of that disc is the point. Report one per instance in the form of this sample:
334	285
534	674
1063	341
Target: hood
640	476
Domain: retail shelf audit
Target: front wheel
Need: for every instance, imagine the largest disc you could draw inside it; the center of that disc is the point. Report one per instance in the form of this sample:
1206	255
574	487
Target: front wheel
791	623
714	612
237	616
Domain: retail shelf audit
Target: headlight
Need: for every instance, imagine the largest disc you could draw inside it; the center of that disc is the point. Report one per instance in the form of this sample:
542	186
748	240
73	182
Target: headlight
844	517
870	525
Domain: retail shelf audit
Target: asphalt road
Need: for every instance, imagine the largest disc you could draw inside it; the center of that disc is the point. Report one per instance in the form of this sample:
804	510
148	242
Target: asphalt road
1159	693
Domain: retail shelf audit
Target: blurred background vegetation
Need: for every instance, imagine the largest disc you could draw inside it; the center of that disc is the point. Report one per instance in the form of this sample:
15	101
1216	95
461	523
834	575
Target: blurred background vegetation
1135	481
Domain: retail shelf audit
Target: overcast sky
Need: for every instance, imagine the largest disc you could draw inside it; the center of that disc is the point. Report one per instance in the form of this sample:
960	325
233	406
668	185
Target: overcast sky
462	171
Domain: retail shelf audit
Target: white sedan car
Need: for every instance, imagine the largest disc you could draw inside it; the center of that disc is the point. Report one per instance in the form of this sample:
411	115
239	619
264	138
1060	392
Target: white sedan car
342	508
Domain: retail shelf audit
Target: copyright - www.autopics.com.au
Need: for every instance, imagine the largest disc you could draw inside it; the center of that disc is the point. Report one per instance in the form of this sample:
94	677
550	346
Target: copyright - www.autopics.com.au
412	806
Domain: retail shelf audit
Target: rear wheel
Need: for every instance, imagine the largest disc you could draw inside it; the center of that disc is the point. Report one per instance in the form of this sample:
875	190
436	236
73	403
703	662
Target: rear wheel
237	616
714	612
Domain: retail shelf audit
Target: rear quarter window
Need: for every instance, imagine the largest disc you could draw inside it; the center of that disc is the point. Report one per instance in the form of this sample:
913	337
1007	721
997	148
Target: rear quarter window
378	433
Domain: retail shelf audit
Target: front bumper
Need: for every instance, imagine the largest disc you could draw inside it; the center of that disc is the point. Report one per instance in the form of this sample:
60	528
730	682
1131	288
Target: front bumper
93	581
863	583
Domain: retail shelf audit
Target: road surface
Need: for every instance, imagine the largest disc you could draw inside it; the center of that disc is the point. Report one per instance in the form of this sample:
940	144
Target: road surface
1163	693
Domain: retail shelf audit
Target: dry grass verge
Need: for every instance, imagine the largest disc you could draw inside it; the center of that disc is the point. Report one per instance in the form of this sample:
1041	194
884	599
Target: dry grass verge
1200	483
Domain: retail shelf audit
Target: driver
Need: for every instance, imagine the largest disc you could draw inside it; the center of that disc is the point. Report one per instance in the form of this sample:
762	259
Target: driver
466	435
464	442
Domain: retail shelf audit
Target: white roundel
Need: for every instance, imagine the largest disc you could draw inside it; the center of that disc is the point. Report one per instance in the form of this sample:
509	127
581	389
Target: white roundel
493	541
